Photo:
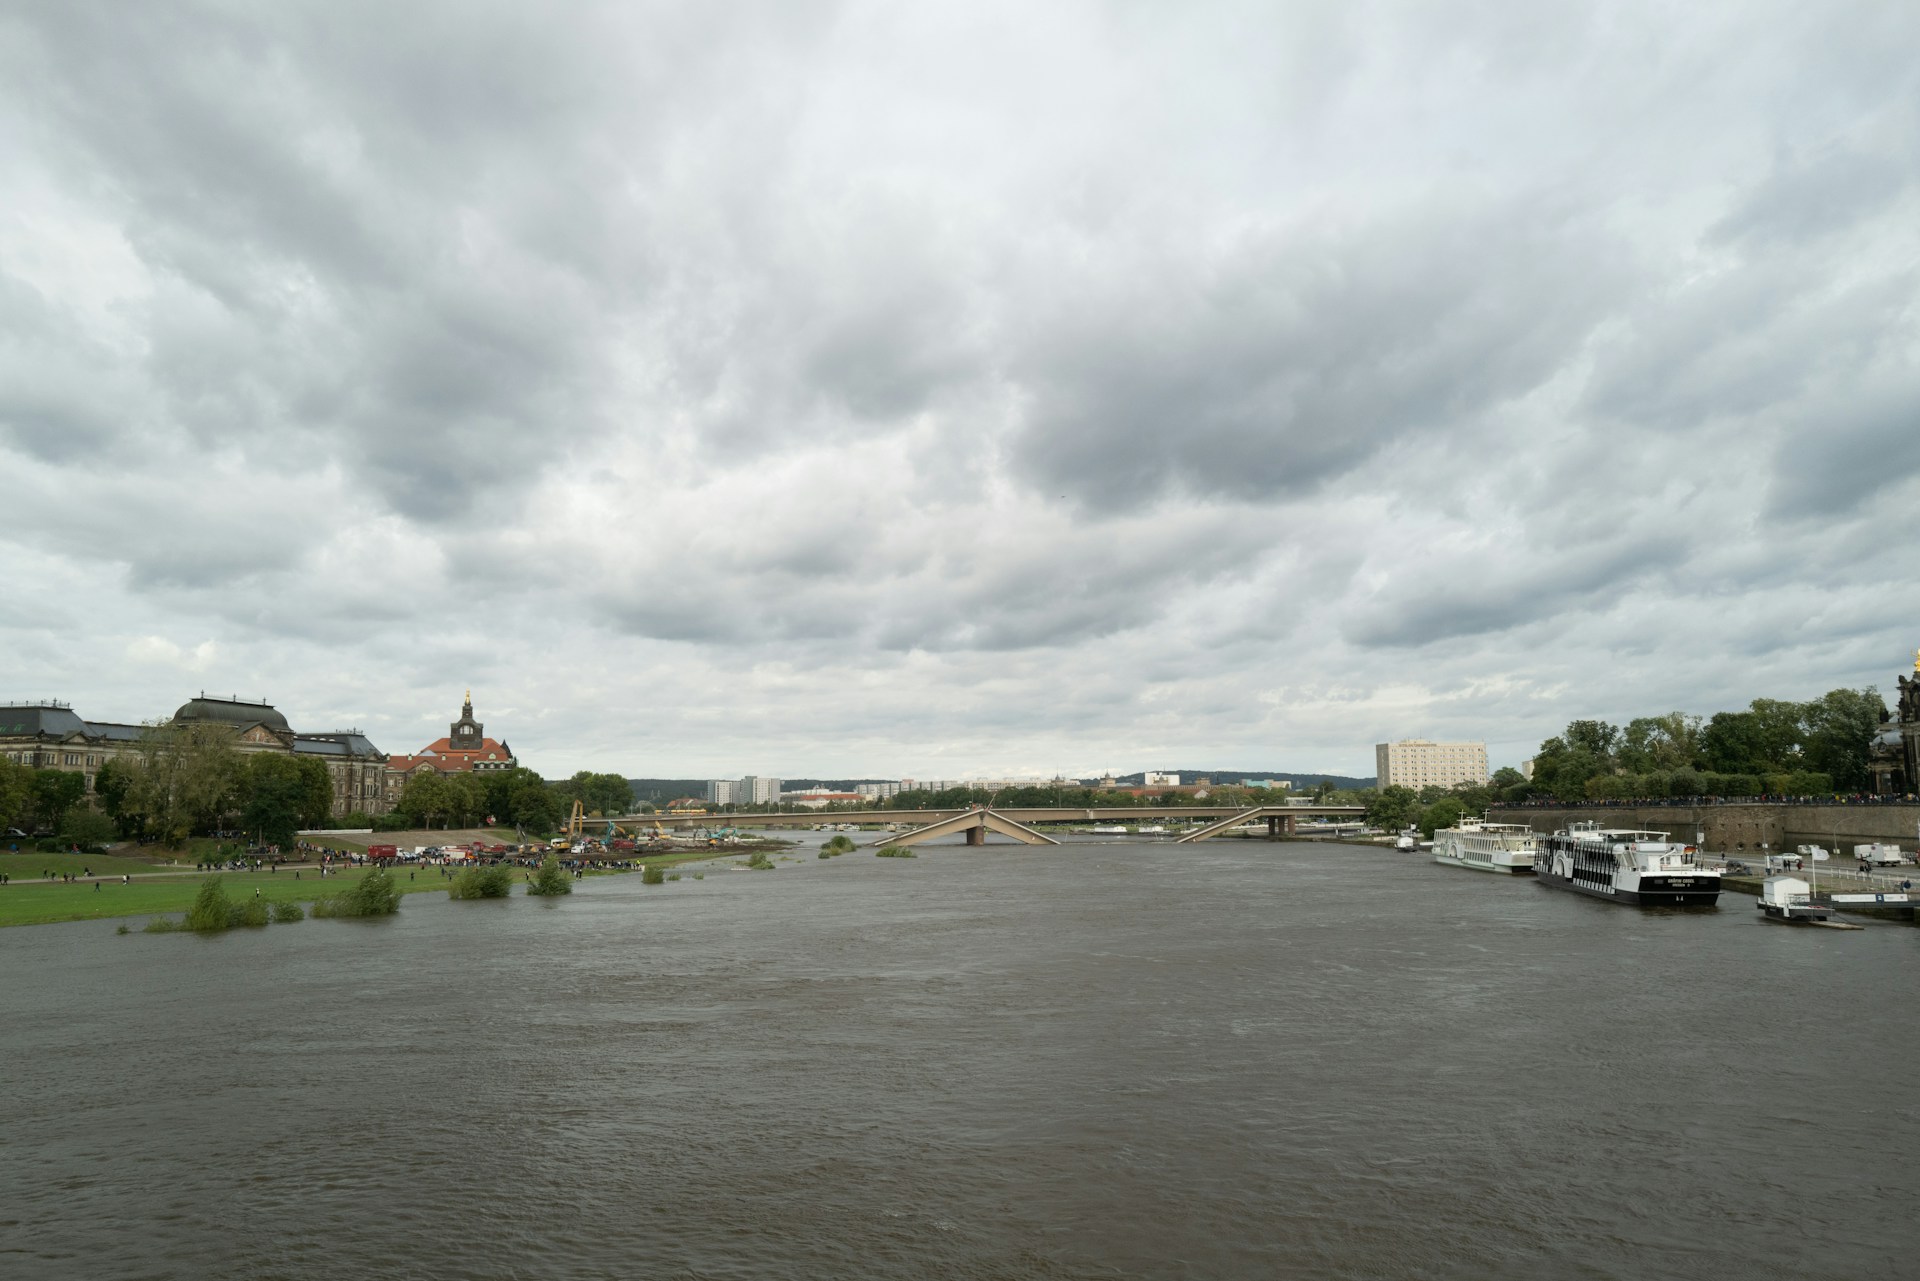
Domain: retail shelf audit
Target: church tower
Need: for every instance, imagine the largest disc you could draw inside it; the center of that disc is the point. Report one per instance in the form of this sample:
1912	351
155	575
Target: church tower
464	734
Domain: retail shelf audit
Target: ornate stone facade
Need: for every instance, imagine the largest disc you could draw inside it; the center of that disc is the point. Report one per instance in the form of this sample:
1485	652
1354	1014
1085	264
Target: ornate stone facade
51	736
466	749
1895	761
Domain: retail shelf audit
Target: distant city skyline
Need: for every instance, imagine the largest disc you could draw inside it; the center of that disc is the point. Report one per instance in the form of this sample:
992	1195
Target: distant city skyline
958	390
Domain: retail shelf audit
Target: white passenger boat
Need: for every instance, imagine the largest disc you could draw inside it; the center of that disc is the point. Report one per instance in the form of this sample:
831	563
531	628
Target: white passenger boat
1644	869
1110	829
1507	848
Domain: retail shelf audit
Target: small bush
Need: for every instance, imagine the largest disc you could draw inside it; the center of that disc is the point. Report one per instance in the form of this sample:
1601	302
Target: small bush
551	878
842	844
759	862
894	851
674	877
482	882
123	930
374	895
212	910
824	853
288	913
653	874
251	913
163	925
699	876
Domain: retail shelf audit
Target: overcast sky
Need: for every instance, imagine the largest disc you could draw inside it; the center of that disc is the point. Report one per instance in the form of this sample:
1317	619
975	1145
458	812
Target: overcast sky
958	389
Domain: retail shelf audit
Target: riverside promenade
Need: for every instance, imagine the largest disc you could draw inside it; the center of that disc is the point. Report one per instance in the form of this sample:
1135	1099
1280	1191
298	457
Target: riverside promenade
1739	827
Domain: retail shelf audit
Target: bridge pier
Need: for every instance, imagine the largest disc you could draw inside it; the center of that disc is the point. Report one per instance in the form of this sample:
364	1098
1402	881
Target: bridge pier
976	836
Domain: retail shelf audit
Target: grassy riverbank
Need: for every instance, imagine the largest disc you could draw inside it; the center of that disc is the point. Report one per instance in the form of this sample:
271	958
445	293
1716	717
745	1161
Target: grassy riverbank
41	903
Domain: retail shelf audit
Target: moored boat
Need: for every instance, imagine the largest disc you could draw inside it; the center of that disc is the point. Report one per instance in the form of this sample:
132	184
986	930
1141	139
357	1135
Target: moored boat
1642	869
1506	848
1790	899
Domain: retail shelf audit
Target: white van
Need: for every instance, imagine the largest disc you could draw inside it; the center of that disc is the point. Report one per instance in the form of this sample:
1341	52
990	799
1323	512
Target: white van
1878	855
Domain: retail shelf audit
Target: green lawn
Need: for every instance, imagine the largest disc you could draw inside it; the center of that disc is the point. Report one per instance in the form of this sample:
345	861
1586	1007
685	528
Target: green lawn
40	903
29	866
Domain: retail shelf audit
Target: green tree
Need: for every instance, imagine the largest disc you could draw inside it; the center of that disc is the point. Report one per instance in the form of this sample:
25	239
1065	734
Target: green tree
1392	808
425	799
316	799
551	878
1778	726
463	798
536	807
482	882
1732	743
274	796
183	780
111	785
87	828
212	909
1444	812
16	793
1840	728
55	791
606	794
1597	738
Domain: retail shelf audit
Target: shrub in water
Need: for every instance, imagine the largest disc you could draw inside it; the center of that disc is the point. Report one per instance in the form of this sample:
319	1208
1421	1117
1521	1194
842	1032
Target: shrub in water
212	909
893	851
551	878
250	912
653	874
838	845
482	882
375	895
163	925
760	862
288	913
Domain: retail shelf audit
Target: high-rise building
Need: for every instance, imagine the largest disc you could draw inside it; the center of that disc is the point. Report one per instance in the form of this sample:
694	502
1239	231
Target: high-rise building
720	791
756	791
1419	762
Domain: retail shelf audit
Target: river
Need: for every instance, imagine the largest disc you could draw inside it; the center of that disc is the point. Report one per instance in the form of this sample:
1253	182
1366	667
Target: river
1238	1059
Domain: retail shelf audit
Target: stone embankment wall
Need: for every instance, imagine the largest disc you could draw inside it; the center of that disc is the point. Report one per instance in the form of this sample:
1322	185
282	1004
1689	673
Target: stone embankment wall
1739	827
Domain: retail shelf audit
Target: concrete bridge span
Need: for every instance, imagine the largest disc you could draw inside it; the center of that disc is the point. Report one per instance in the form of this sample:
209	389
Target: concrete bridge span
1281	819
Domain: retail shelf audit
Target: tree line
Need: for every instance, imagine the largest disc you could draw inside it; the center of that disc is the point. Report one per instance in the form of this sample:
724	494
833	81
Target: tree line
192	780
1774	748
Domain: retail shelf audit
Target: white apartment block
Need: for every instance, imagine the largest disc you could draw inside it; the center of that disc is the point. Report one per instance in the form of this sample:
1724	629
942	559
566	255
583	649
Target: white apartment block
720	791
756	791
1418	763
876	791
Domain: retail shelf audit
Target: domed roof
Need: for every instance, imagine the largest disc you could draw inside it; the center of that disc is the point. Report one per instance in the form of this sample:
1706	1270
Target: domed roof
230	711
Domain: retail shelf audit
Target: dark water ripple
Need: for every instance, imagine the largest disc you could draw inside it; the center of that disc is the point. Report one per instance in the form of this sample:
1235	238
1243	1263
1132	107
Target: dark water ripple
1095	1061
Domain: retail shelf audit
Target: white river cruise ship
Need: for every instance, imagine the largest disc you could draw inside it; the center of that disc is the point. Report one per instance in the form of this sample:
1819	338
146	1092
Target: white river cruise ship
1641	868
1488	847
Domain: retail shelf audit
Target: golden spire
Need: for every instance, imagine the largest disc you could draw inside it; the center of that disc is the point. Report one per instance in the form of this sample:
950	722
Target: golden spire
1916	662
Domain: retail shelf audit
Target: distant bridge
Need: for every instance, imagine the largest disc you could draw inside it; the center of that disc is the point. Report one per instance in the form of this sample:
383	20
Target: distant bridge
1018	823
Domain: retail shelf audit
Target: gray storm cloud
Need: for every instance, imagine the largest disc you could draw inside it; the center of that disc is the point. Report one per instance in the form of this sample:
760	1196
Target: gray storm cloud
846	388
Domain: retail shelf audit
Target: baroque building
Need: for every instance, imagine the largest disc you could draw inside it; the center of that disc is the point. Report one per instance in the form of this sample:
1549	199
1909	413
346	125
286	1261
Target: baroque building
466	749
50	735
1895	757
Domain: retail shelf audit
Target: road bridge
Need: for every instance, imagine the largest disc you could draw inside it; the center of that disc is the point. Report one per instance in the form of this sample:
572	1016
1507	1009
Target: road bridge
1282	818
976	824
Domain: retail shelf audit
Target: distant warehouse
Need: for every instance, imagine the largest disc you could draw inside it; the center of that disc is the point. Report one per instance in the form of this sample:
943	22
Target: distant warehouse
1418	763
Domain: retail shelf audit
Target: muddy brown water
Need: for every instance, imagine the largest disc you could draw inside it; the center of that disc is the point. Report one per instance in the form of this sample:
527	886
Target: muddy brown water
1114	1060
